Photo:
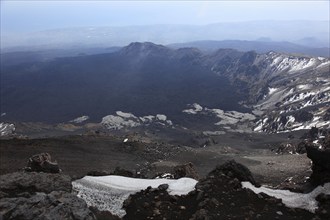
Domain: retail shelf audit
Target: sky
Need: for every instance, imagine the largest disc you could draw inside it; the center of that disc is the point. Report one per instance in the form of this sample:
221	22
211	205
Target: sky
31	16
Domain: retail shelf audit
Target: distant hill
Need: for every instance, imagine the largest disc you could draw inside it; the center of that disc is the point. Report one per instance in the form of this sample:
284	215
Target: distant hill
258	46
307	33
22	55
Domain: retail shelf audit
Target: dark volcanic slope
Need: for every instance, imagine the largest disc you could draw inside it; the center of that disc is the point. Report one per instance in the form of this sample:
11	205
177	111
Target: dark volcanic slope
141	78
149	79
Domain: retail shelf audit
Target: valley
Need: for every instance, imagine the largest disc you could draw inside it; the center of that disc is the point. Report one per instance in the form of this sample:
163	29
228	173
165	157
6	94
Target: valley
146	83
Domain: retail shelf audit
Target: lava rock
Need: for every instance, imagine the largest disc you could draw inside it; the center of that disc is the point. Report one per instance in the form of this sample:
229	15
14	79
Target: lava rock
324	206
122	172
286	148
56	205
163	187
42	163
321	163
234	170
13	184
301	148
326	117
32	195
312	134
185	170
98	173
303	116
103	215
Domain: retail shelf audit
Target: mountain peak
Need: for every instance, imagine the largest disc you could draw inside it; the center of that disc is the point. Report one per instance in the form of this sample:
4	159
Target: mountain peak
143	48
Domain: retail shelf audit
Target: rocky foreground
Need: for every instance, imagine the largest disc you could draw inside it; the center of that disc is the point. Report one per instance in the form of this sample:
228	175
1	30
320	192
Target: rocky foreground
41	191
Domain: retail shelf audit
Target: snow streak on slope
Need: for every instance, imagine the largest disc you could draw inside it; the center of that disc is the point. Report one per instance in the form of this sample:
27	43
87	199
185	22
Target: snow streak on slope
80	119
292	64
291	199
109	192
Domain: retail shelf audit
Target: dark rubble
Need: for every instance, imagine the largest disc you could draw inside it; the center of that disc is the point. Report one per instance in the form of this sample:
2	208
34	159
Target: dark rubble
218	196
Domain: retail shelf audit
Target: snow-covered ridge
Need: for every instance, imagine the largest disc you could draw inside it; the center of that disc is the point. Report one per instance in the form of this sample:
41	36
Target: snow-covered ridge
291	199
292	64
109	192
6	129
128	120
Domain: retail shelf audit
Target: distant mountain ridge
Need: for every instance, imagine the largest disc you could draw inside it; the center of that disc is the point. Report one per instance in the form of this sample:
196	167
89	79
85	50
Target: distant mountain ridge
308	33
30	54
146	79
258	46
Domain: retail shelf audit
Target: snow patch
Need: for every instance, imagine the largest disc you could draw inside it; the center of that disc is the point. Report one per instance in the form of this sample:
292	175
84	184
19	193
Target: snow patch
304	86
291	199
161	117
323	64
128	120
227	118
147	119
272	90
117	122
196	108
80	119
109	192
125	115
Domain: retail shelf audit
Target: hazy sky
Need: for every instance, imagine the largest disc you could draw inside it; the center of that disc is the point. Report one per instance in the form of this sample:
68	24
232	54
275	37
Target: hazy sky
41	15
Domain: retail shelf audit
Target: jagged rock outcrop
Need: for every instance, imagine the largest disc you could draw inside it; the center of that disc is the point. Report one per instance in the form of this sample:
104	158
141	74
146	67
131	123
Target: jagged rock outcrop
31	195
291	148
324	206
122	172
42	163
320	156
185	170
234	170
103	215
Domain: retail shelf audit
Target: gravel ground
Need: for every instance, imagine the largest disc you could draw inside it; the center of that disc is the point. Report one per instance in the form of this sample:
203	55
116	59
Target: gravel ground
79	154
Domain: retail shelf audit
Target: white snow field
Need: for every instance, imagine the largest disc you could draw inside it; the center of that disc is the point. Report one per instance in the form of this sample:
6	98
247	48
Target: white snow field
109	192
291	199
